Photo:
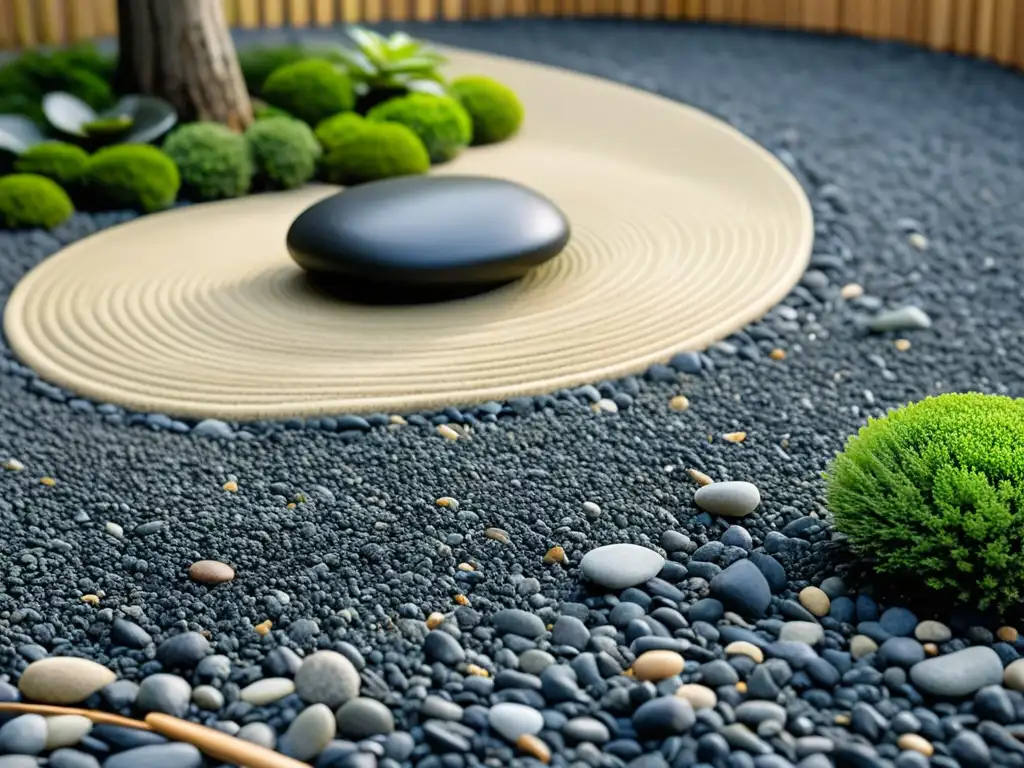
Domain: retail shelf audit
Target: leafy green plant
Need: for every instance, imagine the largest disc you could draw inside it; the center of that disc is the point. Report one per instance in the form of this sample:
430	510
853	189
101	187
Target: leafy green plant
56	160
493	107
214	162
936	490
28	200
81	71
372	151
441	123
284	151
311	90
136	176
133	120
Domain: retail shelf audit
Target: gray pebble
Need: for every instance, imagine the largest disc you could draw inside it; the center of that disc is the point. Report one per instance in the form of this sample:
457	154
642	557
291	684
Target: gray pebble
512	720
734	498
327	677
164	693
25	734
361	718
903	319
618	566
958	674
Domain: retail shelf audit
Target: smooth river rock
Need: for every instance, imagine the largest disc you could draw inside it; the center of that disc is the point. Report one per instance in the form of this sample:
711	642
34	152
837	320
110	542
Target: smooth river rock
735	498
958	674
327	677
63	680
617	566
512	720
423	231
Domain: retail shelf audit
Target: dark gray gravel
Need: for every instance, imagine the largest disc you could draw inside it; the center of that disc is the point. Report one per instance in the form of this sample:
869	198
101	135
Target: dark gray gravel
915	167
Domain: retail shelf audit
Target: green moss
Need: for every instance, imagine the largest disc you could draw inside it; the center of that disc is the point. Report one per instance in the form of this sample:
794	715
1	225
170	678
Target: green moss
441	123
285	152
26	79
214	162
493	107
258	63
131	176
55	160
28	200
375	151
935	491
311	90
338	128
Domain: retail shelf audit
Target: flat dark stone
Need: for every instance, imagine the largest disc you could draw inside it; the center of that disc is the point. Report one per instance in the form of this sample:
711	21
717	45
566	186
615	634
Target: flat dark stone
452	235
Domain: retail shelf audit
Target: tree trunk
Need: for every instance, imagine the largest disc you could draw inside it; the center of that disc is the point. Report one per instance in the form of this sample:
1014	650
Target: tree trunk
181	50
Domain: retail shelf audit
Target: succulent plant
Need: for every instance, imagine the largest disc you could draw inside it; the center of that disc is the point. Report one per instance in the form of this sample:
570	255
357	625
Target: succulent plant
133	120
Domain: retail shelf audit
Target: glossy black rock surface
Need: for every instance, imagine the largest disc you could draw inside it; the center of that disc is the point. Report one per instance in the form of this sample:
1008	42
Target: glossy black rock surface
429	231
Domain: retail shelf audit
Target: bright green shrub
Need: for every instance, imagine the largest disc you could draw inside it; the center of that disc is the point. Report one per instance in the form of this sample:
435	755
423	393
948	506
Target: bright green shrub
338	128
27	200
442	124
214	162
55	160
27	78
131	176
936	490
311	90
284	151
375	151
258	63
493	107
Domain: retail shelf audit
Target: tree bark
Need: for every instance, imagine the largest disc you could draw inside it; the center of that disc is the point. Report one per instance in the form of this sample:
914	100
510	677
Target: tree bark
181	50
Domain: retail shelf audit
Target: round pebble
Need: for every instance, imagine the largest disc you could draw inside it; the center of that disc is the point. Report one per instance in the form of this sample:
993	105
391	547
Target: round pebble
63	680
815	601
327	677
309	733
930	631
699	696
66	730
911	741
362	717
733	498
267	691
210	572
743	648
958	674
658	665
617	566
512	720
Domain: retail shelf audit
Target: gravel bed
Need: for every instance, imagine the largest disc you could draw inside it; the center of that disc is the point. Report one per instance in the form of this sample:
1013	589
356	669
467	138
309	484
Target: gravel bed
399	598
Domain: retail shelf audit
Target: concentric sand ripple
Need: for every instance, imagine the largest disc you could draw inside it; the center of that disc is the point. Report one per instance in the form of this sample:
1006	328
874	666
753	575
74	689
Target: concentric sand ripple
683	231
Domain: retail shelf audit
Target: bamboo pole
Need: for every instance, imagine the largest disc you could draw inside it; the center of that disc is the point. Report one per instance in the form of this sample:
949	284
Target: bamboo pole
7	36
984	31
248	14
963	26
299	13
324	13
51	22
1005	21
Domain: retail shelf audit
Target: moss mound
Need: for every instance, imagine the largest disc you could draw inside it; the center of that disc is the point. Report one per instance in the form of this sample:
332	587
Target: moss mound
493	107
311	90
441	123
284	151
936	490
213	161
337	129
28	200
370	151
55	160
260	62
131	176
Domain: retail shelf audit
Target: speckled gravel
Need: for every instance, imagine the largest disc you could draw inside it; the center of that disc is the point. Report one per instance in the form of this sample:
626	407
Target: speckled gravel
420	568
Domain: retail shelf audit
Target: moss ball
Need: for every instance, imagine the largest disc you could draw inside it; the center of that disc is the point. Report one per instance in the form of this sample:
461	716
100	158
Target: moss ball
134	176
55	160
29	200
442	124
375	151
284	151
935	491
214	162
260	62
493	107
338	128
312	90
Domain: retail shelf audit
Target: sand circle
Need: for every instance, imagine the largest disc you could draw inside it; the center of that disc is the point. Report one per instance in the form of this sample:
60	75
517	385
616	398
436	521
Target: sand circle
683	231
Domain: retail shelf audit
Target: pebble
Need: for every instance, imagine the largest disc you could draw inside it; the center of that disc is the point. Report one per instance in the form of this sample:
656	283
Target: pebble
618	566
699	696
170	755
679	403
802	632
207	697
71	758
210	572
309	733
512	720
815	601
861	646
743	588
258	733
658	665
165	693
535	747
958	674
916	743
182	651
66	730
327	677
1013	675
512	621
129	634
743	648
63	680
586	730
441	646
267	691
733	498
903	319
929	631
362	717
664	716
25	734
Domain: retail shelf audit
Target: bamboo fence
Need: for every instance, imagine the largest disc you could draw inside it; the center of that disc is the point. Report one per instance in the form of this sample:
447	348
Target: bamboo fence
989	29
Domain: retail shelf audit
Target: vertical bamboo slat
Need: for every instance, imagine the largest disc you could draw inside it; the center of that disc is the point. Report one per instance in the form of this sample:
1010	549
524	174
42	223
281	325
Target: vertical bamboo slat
941	27
451	10
793	14
50	29
1005	20
373	11
649	9
497	9
24	23
715	11
899	19
272	14
882	23
323	13
736	11
230	12
984	31
1018	36
105	14
831	15
248	14
694	9
673	9
963	26
351	11
298	13
7	39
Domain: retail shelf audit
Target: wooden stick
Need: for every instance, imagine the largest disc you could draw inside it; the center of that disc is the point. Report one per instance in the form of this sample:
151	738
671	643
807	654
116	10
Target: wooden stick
96	716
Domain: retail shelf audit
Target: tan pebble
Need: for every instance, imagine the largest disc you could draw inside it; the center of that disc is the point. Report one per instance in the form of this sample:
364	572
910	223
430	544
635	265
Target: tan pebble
851	291
741	687
397	421
466	567
699	696
699	477
734	437
435	620
931	649
63	680
49	482
842	720
658	665
90	599
534	746
498	535
555	555
263	628
13	465
679	403
447	502
473	669
290	505
902	345
916	743
777	354
230	486
66	731
815	601
919	241
447	432
606	405
862	645
1013	675
210	572
930	631
461	600
743	648
1007	634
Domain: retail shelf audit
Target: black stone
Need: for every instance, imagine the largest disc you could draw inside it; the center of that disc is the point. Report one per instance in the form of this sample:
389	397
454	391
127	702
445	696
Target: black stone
426	237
